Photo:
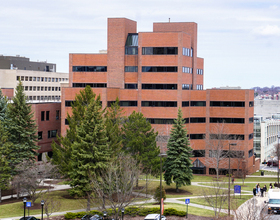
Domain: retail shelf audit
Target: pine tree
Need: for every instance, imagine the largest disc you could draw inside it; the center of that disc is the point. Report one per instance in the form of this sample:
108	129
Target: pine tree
113	123
3	106
22	128
62	150
90	153
177	164
5	169
139	139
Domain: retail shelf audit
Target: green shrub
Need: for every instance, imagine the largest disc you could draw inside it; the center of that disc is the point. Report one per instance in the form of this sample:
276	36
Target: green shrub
132	211
94	212
80	214
70	215
170	211
181	213
157	194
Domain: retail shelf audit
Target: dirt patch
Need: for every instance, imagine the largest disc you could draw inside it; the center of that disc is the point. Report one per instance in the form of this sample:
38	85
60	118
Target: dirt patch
172	191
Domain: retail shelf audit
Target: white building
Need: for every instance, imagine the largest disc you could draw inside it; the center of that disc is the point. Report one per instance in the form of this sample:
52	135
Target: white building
265	136
38	85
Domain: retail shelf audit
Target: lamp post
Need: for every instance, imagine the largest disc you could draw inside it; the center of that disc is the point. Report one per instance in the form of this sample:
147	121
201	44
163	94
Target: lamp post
122	213
24	204
104	215
278	155
161	155
230	144
42	204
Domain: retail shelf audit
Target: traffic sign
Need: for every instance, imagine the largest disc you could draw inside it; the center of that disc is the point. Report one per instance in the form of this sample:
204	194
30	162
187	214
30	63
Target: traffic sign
187	201
28	204
237	189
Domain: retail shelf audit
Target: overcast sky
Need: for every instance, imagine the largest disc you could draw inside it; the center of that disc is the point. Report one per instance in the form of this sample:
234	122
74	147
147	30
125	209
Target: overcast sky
239	40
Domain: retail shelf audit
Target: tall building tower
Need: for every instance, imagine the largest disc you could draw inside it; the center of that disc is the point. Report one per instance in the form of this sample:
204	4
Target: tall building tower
158	72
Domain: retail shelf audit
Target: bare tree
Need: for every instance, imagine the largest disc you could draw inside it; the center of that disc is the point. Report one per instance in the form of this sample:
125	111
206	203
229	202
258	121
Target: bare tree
216	195
252	209
114	187
217	145
50	204
31	178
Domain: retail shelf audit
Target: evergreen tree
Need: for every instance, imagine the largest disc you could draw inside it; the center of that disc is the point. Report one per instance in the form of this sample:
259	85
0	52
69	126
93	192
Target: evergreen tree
3	106
139	139
113	123
5	169
90	153
22	128
63	149
177	164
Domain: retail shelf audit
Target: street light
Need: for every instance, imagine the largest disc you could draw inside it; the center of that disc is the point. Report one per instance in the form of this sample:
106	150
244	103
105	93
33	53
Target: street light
230	144
24	204
104	215
42	204
278	154
161	155
122	213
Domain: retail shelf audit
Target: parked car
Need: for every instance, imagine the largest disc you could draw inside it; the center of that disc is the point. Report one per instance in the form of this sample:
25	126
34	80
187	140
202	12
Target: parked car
29	218
86	217
154	217
91	217
272	163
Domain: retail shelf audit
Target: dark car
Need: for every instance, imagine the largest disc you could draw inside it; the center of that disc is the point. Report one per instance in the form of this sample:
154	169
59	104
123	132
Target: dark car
29	218
272	163
86	217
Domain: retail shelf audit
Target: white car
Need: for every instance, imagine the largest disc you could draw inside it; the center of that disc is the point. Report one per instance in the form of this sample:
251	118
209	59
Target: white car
154	217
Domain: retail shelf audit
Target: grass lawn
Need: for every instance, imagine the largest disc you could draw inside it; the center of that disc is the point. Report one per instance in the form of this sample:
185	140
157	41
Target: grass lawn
191	210
265	173
235	201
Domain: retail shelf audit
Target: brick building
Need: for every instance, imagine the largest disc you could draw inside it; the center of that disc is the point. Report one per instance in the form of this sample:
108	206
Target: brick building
156	73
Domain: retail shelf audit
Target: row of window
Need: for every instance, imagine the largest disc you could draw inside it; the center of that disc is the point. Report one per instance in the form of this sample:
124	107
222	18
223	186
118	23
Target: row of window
93	85
199	71
187	86
131	68
199	87
45	115
89	68
187	52
159	50
225	154
187	69
41	88
51	134
44	98
159	69
40	79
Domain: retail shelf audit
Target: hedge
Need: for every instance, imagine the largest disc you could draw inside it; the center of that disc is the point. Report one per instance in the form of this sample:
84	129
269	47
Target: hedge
131	211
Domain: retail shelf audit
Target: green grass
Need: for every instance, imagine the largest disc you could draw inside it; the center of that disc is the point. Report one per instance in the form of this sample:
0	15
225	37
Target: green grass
191	210
265	173
236	201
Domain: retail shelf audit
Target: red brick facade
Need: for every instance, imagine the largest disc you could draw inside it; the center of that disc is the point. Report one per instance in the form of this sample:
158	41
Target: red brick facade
188	70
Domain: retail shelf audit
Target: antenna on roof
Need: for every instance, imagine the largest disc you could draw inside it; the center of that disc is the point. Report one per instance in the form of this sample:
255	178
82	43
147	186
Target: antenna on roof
169	20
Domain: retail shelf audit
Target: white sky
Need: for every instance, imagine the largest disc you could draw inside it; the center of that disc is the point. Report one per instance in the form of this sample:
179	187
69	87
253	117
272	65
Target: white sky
238	39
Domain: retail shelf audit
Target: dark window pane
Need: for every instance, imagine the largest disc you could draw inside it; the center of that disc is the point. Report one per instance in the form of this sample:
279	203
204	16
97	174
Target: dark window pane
131	86
198	103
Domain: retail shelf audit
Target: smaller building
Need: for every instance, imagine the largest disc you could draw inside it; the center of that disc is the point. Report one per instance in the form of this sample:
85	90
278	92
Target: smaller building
266	136
23	63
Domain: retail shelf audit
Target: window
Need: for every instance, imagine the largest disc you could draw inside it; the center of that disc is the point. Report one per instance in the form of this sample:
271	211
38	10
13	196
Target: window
42	79
38	79
42	116
128	103
251	104
160	121
187	86
158	104
131	44
52	133
30	78
186	51
69	103
159	86
185	104
226	104
30	88
34	88
251	136
187	69
52	88
197	120
66	121
40	135
198	153
38	88
198	103
46	79
52	79
49	88
228	120
93	85
199	71
34	78
18	78
131	86
159	69
57	114
49	79
47	115
131	68
159	50
89	69
227	136
197	136
26	88
250	152
199	87
251	120
56	79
